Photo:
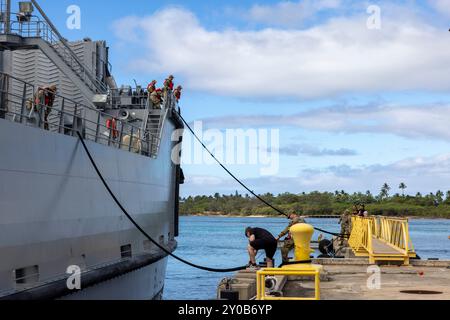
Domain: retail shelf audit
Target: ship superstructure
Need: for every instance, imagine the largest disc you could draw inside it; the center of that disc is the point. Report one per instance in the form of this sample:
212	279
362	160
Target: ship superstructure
54	212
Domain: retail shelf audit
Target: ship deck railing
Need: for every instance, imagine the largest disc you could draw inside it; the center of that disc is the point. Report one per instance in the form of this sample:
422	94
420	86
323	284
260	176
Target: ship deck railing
138	97
69	117
35	27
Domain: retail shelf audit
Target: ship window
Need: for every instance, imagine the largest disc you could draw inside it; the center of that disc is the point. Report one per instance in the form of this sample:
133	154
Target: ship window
27	275
125	251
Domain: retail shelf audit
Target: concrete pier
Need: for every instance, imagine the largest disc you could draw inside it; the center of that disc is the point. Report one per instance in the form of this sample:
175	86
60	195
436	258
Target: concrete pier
356	279
377	262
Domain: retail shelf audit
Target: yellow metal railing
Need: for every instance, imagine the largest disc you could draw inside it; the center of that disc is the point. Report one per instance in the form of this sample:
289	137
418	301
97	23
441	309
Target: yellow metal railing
306	270
360	235
390	233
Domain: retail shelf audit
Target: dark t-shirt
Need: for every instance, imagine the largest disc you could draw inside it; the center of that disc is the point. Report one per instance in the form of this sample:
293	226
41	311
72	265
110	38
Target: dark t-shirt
263	234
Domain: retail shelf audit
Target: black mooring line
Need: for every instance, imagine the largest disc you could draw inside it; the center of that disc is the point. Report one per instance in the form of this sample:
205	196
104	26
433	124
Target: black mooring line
246	187
94	165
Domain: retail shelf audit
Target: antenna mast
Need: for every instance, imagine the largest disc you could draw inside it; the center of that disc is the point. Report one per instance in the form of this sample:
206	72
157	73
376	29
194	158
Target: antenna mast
6	12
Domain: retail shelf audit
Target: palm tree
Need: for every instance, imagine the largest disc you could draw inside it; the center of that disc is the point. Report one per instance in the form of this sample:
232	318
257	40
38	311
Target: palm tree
402	187
369	197
439	196
384	193
447	197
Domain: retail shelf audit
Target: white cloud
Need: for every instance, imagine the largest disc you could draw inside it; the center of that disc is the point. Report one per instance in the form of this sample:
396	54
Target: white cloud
442	6
420	175
428	121
205	180
289	13
335	57
314	151
125	29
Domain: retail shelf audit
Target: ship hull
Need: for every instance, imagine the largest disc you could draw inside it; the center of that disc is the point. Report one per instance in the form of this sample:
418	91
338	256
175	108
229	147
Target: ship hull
146	283
55	213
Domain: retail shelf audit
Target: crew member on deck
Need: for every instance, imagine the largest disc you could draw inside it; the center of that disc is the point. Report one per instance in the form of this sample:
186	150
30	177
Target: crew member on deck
168	86
151	87
45	98
177	93
260	239
156	98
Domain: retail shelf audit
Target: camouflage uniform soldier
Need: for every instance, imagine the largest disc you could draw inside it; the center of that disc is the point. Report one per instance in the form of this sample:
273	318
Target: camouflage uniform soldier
289	242
156	99
44	99
50	96
151	88
177	93
168	86
345	222
39	99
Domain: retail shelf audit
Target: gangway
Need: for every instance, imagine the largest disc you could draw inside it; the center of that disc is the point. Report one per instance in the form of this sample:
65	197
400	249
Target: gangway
156	118
381	239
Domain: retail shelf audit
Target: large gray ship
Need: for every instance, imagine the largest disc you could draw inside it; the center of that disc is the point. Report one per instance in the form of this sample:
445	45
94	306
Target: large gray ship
55	214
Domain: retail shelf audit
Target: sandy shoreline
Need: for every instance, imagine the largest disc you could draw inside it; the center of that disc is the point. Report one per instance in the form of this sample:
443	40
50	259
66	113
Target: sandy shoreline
227	216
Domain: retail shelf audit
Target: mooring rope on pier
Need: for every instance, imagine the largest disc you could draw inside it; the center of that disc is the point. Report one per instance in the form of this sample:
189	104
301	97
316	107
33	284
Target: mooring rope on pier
125	212
246	187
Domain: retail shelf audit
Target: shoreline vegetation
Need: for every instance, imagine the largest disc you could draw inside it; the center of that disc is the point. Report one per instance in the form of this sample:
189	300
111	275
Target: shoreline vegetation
430	206
220	215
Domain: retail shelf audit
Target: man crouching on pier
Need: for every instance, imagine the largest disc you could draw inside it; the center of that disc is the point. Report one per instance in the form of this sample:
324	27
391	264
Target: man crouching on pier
260	239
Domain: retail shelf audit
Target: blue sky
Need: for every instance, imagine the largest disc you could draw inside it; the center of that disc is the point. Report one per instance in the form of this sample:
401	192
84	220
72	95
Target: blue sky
311	69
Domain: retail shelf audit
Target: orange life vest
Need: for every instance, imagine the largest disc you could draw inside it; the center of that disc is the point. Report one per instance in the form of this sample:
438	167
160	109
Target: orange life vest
111	125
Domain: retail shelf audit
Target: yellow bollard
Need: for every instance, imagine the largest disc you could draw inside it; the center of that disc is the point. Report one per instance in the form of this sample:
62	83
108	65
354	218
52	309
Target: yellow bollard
302	234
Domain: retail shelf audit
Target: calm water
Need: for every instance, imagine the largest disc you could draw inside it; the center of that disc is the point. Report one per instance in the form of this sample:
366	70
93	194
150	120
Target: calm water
220	243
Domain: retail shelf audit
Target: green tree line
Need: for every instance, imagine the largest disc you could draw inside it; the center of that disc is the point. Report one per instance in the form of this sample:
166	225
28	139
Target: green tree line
436	205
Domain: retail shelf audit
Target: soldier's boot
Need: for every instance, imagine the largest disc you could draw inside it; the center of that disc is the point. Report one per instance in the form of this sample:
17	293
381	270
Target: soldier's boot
288	247
285	254
341	239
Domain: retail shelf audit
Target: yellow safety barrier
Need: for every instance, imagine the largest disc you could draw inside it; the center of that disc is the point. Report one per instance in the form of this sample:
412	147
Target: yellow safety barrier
299	270
381	239
302	234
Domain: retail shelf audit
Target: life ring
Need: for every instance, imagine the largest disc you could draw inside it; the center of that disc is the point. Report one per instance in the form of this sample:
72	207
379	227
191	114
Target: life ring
111	125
